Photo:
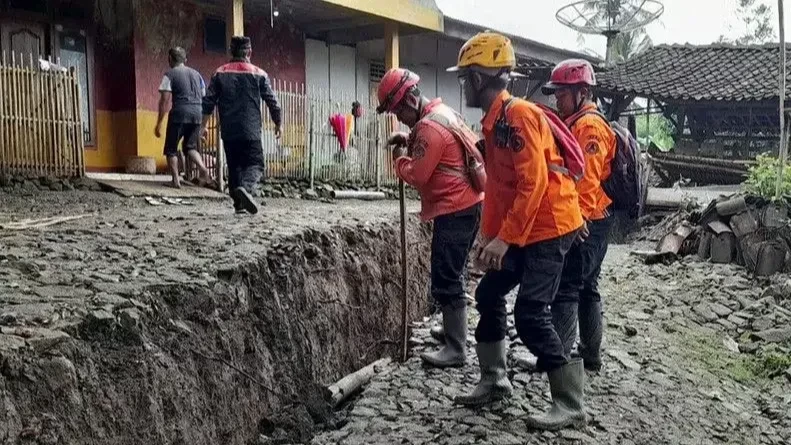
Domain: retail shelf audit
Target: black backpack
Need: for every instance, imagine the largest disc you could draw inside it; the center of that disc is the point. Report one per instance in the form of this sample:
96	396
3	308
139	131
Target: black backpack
625	184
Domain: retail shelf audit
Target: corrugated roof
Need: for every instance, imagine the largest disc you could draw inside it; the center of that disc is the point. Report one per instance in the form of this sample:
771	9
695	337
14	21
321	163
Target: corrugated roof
719	72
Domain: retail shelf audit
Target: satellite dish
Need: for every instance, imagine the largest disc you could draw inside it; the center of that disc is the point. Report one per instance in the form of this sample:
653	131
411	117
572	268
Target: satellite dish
609	17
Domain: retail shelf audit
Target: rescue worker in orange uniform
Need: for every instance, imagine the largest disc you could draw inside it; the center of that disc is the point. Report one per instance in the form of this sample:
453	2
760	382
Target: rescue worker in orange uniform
432	160
531	218
578	297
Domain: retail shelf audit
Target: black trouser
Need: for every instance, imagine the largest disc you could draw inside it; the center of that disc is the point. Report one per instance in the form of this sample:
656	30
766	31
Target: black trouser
245	164
536	269
454	235
583	265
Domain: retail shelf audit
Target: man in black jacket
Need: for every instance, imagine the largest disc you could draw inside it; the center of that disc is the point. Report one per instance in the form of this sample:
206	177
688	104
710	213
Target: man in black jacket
237	88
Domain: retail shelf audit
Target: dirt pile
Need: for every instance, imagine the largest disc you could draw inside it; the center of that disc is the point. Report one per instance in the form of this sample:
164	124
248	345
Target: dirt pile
235	358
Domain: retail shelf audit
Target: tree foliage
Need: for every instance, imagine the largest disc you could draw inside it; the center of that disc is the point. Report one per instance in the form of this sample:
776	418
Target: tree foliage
656	129
613	14
755	16
762	178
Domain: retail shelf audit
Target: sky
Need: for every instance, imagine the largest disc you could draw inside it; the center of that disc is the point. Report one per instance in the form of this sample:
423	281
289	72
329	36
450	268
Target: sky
684	21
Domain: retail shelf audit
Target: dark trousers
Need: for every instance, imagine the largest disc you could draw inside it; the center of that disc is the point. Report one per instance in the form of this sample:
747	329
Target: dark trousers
536	269
453	237
245	164
580	282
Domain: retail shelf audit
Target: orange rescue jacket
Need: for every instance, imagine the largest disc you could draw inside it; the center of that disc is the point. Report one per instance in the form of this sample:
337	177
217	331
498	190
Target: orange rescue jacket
432	146
525	202
598	144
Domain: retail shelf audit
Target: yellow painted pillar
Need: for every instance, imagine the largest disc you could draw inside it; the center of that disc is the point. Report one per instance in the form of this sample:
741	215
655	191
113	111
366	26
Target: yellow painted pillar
234	22
392	52
391	45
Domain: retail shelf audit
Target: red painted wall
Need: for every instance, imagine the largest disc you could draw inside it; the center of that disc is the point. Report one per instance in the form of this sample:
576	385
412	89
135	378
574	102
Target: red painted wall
279	51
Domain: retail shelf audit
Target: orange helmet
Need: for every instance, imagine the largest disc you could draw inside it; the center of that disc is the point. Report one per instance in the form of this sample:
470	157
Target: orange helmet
568	73
393	87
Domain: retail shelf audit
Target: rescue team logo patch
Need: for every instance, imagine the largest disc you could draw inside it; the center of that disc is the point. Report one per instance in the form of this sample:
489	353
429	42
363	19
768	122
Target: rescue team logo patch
592	148
418	148
516	142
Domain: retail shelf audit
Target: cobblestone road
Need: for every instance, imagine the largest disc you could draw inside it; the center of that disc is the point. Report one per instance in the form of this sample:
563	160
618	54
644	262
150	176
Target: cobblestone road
668	378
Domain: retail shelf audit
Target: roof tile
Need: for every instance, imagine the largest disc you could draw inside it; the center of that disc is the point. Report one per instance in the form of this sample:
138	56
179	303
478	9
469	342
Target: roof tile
712	72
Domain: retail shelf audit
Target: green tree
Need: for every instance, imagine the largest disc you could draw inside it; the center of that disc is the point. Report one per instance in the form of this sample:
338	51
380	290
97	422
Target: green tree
756	17
657	130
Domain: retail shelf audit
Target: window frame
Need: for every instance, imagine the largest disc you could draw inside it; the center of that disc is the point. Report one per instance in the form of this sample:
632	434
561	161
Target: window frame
65	27
206	48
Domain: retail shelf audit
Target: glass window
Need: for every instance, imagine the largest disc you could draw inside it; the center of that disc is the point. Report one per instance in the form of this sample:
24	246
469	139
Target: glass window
214	35
74	54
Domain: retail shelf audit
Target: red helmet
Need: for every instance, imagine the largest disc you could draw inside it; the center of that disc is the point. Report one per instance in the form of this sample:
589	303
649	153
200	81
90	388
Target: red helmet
393	87
570	73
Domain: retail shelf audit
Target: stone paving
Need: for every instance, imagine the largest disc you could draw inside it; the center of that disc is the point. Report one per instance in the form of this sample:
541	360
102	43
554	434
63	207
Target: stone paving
669	378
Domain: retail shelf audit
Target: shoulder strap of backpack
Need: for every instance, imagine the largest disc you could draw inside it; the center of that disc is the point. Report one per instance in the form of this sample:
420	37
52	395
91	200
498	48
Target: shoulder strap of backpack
580	114
461	139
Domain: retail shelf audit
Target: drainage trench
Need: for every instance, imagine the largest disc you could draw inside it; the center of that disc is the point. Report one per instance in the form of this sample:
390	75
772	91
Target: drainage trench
223	363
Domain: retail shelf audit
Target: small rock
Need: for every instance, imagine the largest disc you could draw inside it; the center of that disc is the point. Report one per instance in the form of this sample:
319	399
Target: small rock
364	412
624	359
773	335
720	310
525	361
637	315
130	318
181	326
45	339
630	331
705	312
8	318
310	194
763	324
101	316
737	321
731	344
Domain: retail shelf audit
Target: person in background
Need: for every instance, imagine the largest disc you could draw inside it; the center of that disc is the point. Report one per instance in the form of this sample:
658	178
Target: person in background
432	159
578	297
237	89
531	218
181	93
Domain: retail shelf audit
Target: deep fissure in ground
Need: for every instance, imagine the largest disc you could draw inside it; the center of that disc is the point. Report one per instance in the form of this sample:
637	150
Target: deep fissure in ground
247	356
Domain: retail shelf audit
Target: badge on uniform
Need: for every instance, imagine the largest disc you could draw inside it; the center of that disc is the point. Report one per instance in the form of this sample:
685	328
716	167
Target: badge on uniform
592	148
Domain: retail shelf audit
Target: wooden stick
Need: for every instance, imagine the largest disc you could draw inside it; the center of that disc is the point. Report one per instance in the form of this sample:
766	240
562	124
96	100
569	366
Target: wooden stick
404	278
3	123
340	391
39	223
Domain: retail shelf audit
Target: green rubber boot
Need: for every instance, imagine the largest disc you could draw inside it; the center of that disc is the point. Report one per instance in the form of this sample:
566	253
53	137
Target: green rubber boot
567	385
454	353
494	384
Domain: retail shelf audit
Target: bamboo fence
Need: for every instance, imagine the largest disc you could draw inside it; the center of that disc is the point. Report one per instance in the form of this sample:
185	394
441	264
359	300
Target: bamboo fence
41	131
308	148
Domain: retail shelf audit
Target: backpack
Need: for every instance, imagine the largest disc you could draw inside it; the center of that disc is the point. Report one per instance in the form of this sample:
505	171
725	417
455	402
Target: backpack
625	185
473	171
570	150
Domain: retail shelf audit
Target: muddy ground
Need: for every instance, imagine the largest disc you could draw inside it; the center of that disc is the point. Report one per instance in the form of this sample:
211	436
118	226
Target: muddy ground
187	324
180	324
695	354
